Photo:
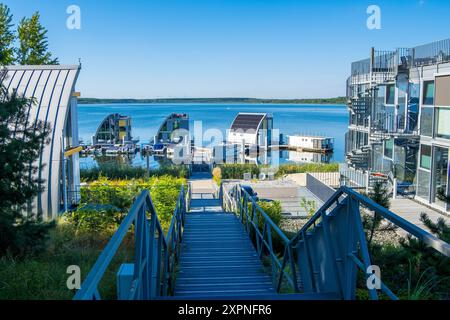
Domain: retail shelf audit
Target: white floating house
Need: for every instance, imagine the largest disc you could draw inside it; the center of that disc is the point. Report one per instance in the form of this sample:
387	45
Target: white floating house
251	129
310	143
55	102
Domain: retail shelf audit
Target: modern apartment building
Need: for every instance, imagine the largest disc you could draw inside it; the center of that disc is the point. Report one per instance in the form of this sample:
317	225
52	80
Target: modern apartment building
399	104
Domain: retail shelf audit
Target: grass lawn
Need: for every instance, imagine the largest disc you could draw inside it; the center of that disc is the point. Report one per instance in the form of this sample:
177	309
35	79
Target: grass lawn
44	276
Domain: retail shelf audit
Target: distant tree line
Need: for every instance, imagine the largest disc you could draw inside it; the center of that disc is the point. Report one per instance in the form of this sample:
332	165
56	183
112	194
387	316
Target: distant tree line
25	45
338	100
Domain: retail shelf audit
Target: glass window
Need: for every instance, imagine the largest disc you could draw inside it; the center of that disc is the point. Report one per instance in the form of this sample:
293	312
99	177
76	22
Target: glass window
413	106
425	157
390	94
428	93
443	123
440	191
443	91
390	119
389	148
426	121
423	184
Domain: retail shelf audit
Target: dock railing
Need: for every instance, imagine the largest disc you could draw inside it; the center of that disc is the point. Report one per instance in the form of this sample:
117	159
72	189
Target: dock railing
155	253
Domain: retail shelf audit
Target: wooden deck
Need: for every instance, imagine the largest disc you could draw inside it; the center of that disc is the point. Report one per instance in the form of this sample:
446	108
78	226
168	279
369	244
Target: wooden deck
410	210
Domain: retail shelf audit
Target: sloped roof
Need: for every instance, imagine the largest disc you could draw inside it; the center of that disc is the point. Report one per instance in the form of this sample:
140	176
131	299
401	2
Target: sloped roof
247	121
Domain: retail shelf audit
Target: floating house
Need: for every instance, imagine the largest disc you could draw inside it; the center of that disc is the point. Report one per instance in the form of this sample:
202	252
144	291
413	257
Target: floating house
310	143
174	129
114	129
308	157
251	129
55	102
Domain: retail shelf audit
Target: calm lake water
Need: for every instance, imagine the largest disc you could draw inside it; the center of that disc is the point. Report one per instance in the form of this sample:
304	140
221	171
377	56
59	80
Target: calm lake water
329	120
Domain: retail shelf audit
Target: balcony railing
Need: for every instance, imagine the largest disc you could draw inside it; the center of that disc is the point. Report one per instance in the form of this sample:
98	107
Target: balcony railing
431	53
390	62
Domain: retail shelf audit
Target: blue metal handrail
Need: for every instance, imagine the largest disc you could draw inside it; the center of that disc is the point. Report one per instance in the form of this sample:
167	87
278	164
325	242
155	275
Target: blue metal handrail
155	254
336	229
264	239
353	200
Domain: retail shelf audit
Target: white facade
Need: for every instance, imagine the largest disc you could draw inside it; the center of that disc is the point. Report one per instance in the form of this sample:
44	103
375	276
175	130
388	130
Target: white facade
251	129
53	88
308	142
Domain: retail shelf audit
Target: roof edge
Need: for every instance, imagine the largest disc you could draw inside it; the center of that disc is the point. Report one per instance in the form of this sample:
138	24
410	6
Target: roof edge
43	67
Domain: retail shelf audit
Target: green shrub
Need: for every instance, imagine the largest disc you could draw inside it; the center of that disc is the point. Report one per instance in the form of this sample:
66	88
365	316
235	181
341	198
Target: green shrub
272	209
217	175
95	219
119	195
126	172
306	167
236	171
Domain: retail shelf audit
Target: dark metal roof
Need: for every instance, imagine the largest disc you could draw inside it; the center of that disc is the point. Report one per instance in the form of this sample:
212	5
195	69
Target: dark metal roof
247	121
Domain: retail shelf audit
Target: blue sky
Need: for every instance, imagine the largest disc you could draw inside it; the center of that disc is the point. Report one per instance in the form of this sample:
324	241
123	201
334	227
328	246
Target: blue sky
228	48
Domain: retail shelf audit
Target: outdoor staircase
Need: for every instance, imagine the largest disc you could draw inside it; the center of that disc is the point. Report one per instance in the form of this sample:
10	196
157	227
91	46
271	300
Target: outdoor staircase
217	257
215	249
218	260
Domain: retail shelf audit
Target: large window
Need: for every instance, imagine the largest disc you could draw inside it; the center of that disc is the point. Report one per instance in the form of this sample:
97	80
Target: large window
423	184
413	106
390	94
425	157
443	122
389	148
428	93
443	91
426	121
440	172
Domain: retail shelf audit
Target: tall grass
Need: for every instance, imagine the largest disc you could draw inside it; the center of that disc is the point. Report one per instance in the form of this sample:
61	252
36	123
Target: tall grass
80	237
126	172
44	276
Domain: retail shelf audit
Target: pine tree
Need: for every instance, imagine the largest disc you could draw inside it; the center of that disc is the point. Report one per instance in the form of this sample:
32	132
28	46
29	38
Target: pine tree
380	195
33	45
7	36
19	147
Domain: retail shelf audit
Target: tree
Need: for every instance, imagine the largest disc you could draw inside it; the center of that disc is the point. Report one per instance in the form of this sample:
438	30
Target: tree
380	195
7	36
33	45
20	233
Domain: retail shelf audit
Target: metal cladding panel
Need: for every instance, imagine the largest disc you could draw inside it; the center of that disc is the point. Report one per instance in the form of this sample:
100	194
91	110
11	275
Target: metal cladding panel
38	94
56	146
23	84
15	79
51	87
46	163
